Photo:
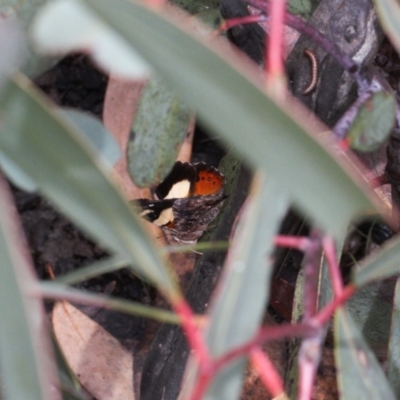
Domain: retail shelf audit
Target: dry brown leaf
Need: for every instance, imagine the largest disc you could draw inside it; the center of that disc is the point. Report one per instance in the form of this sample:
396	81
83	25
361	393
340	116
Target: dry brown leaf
120	103
102	365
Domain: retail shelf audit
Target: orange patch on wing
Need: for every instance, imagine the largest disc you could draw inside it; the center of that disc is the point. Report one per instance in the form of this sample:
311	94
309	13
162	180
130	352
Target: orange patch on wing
208	182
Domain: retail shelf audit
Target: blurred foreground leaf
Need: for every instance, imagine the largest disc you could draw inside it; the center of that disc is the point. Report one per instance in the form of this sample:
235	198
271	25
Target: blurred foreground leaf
359	373
371	310
22	12
67	26
389	16
16	175
58	291
379	266
27	371
394	344
243	290
70	387
96	132
69	172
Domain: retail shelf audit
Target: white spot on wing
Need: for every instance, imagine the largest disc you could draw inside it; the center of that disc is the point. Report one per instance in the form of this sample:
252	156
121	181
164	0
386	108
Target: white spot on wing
165	217
144	212
179	190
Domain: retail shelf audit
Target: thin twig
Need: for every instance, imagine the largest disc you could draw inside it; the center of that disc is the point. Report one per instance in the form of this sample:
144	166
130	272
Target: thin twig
312	264
193	333
267	372
333	265
280	332
309	358
294	242
274	67
324	315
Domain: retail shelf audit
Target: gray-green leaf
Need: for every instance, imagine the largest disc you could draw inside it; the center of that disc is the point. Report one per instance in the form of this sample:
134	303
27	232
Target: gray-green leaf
374	122
159	128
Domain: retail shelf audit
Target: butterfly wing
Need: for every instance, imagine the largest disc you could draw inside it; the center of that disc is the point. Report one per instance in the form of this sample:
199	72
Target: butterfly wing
190	197
192	215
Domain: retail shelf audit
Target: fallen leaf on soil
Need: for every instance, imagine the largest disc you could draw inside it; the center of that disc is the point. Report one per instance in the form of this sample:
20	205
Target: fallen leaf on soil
120	103
99	361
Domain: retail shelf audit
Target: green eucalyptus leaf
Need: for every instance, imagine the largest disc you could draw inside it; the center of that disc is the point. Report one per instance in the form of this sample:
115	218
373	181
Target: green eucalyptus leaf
382	265
211	18
374	122
393	359
101	138
359	373
53	290
389	16
371	310
232	105
197	6
97	268
12	45
302	7
70	386
16	175
245	283
69	172
65	26
23	12
292	371
2	388
27	371
159	128
243	291
12	48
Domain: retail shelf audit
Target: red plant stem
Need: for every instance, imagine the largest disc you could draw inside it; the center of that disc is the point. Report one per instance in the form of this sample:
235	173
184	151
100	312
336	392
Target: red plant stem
280	332
378	181
202	383
194	337
268	373
323	316
157	4
248	19
312	264
344	144
296	242
274	45
309	358
333	265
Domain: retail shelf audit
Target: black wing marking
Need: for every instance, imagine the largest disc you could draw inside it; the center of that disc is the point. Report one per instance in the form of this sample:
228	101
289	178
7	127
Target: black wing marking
152	209
180	171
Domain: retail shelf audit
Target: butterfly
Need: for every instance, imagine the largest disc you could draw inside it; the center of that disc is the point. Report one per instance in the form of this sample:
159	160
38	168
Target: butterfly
188	200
